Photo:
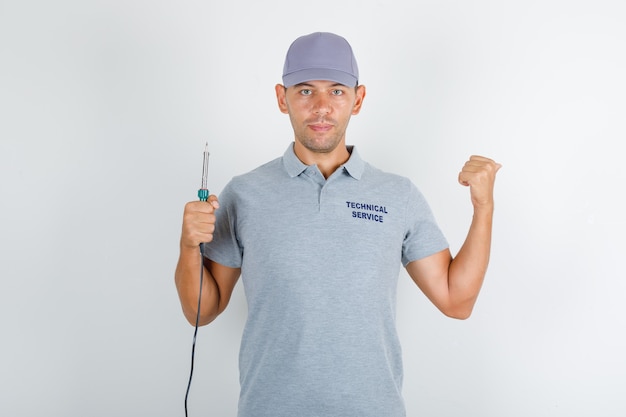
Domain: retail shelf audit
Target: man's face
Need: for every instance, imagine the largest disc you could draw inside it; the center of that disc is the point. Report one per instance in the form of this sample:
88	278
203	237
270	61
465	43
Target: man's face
320	112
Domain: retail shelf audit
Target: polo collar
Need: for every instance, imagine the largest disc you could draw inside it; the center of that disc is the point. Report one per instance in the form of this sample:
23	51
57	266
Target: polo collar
354	166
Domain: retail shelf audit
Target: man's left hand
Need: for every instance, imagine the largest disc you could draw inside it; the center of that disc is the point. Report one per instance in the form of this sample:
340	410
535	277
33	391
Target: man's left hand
479	173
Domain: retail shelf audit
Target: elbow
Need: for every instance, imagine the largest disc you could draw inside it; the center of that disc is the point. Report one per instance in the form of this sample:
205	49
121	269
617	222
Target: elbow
461	312
459	308
194	319
459	315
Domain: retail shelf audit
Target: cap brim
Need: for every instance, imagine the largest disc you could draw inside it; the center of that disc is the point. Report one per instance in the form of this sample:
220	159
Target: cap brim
324	74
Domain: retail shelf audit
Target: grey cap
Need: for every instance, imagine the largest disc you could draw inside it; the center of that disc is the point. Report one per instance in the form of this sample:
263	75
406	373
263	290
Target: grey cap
320	56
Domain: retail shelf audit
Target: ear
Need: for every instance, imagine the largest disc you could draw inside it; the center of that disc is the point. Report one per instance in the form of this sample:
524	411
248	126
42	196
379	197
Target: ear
358	102
281	97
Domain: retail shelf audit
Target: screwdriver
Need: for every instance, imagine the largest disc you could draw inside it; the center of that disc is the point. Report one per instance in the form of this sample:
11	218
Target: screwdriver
203	195
203	192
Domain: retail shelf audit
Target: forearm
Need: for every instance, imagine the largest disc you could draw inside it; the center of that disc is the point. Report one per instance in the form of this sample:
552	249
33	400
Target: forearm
467	270
187	278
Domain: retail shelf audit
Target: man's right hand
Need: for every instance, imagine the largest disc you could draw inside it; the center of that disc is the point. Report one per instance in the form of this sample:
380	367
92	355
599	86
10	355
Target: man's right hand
198	222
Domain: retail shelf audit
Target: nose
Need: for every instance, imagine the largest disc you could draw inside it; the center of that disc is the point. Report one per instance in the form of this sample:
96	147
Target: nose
322	105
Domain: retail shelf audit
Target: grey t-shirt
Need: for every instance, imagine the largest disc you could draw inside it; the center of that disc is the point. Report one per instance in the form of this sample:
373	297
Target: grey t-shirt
320	261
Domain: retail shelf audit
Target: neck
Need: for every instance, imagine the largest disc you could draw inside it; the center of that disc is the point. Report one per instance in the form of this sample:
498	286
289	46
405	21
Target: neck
327	162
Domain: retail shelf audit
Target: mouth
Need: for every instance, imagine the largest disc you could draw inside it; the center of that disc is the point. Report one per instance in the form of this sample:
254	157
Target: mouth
320	127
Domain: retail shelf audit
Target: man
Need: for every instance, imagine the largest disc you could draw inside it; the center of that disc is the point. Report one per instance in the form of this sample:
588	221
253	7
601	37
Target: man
318	237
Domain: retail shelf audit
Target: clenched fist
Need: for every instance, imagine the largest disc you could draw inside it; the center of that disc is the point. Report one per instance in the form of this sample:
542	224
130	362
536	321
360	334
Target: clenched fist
199	222
479	173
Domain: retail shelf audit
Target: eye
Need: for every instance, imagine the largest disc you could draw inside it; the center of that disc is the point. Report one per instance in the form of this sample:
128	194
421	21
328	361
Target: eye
306	92
337	92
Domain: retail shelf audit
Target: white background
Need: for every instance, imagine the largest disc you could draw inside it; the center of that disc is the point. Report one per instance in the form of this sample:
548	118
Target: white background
105	107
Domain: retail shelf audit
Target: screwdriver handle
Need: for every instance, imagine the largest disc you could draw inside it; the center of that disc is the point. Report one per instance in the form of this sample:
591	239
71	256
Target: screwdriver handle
203	194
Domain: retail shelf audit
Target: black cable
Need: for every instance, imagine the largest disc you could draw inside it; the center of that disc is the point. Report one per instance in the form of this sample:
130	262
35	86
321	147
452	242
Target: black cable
195	332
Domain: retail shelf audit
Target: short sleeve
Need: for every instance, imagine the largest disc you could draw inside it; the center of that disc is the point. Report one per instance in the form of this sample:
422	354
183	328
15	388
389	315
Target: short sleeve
225	248
423	236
